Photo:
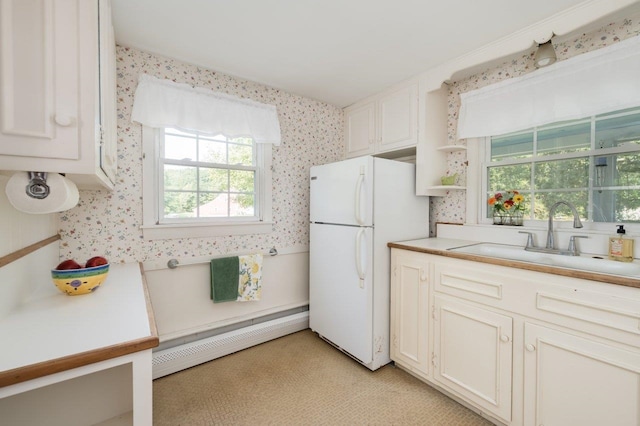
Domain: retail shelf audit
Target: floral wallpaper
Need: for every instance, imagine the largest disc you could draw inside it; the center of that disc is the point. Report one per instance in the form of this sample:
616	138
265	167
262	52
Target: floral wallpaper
452	208
108	223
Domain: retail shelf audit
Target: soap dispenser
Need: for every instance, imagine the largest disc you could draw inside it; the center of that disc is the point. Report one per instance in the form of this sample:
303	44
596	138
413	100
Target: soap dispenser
621	246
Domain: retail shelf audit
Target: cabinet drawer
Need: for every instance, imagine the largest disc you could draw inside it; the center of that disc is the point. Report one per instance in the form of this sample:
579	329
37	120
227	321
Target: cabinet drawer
604	309
475	284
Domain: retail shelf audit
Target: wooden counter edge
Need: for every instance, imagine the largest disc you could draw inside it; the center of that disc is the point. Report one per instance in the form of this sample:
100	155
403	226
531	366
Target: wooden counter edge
34	371
152	319
572	273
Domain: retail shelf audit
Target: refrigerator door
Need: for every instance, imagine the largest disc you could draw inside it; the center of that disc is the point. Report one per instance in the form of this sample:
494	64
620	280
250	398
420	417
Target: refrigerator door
342	192
341	287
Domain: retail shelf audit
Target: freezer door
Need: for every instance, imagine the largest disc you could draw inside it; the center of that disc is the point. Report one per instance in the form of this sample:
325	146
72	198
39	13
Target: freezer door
342	192
341	287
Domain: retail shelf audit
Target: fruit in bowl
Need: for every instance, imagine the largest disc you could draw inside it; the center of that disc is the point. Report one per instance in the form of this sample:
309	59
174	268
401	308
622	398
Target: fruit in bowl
96	261
72	279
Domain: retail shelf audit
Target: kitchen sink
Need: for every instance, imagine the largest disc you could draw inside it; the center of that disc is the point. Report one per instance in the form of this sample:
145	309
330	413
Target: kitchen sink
584	262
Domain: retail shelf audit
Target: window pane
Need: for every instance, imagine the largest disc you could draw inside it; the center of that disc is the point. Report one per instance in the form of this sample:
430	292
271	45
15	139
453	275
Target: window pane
242	205
616	206
213	151
241	154
213	205
214	180
180	178
564	139
213	187
179	148
618	131
242	141
562	174
505	178
512	146
179	204
544	200
627	172
241	181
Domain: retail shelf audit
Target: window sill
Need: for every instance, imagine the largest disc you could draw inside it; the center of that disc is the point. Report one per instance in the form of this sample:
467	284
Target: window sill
197	230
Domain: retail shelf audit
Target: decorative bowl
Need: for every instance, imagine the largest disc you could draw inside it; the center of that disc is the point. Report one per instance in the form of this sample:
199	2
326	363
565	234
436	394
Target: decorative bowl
79	281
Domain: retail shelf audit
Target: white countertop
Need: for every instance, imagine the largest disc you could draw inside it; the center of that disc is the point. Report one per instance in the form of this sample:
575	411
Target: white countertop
51	325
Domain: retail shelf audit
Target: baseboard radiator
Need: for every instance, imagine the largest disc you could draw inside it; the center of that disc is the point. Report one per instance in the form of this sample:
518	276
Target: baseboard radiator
171	360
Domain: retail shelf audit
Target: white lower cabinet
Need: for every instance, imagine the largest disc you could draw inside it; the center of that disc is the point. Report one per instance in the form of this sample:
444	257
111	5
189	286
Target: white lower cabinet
410	310
570	380
539	350
472	350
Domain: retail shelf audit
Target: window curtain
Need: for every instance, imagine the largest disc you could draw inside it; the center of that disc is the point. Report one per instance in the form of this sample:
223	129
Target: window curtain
593	83
163	103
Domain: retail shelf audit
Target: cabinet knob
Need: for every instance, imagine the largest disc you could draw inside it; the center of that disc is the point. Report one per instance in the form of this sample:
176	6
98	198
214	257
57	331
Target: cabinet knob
504	338
64	120
530	347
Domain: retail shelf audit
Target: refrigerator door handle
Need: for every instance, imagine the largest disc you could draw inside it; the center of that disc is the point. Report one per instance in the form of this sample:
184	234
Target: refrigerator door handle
359	268
359	218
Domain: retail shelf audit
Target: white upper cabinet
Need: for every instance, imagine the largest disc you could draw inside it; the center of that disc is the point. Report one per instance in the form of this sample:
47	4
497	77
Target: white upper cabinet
360	129
398	119
385	123
58	101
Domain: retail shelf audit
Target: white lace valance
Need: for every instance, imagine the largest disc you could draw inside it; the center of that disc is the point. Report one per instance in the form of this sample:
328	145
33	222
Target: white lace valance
593	83
163	103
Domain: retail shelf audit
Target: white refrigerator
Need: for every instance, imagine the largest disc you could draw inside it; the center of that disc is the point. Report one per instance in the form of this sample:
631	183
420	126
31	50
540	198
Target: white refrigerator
357	207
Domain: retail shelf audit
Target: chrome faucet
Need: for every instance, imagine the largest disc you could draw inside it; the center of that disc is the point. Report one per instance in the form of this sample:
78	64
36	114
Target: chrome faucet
576	221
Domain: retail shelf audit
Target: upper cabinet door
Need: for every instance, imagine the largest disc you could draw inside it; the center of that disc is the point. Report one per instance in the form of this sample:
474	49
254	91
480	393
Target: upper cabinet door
359	130
39	110
398	119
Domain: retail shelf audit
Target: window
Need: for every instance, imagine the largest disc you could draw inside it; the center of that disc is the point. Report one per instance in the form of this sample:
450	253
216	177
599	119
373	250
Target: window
592	163
203	185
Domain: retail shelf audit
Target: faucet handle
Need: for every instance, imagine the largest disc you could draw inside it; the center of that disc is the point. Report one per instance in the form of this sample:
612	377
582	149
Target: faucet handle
530	243
573	249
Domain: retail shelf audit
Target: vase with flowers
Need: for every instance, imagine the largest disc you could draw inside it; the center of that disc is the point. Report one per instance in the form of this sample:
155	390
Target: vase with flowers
507	208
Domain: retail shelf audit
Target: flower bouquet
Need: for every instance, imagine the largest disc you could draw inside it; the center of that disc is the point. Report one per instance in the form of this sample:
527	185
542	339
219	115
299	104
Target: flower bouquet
507	208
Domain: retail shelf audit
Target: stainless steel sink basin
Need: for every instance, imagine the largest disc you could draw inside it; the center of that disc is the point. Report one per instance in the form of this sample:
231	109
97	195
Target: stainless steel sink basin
582	263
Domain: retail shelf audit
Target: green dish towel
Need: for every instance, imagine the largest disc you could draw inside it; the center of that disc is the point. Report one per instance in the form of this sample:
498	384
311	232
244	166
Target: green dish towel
224	279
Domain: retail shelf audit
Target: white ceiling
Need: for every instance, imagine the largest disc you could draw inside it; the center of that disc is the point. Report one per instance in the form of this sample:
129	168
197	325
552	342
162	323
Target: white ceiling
336	51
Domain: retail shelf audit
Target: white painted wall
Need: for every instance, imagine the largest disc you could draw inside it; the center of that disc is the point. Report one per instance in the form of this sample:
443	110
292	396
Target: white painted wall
182	303
18	230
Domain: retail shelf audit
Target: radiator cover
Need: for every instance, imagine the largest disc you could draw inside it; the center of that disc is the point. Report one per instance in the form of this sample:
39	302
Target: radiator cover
171	360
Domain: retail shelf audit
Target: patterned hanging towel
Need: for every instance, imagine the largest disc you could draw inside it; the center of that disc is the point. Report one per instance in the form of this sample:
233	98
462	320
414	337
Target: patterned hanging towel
250	279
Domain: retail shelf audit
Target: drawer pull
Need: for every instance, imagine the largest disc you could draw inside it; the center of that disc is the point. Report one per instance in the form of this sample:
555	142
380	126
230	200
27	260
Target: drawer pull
530	347
504	338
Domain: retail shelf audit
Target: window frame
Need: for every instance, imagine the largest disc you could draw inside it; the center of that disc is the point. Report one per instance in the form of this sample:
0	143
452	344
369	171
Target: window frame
154	228
479	148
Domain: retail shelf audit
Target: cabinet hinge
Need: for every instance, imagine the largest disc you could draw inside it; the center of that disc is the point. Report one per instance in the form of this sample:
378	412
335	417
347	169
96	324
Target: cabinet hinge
434	360
433	313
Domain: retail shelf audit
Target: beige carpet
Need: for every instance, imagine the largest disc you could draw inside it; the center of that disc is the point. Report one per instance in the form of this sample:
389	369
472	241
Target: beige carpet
300	379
